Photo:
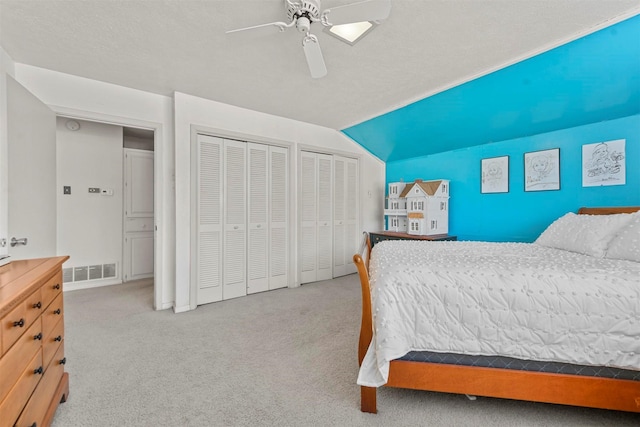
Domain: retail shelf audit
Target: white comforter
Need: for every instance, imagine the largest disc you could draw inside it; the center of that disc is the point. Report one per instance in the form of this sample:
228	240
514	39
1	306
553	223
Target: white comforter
510	299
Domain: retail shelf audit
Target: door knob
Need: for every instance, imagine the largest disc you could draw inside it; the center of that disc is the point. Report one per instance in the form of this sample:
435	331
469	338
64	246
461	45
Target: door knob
21	241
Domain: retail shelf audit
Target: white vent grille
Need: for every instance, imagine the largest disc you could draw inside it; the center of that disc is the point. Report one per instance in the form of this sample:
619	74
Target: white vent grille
89	272
67	275
80	274
108	270
95	272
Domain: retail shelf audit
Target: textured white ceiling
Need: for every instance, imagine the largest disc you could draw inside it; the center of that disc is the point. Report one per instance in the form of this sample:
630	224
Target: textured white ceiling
165	46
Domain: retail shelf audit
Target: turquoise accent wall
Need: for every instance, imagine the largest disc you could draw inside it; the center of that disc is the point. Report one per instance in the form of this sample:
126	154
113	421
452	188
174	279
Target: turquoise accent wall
518	215
589	80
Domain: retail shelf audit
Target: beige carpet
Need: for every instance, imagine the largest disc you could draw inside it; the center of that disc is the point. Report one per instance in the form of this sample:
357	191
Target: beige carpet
280	358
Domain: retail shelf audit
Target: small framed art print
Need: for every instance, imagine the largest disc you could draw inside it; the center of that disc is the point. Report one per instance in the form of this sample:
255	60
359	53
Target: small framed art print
542	170
495	175
603	163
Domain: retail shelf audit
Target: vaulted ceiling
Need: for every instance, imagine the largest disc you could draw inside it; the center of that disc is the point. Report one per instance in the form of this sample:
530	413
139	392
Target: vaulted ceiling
422	49
592	79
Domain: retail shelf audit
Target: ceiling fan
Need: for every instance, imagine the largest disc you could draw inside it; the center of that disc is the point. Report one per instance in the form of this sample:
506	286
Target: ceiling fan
303	13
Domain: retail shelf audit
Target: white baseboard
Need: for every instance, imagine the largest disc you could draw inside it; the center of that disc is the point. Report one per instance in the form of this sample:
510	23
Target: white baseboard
165	306
181	309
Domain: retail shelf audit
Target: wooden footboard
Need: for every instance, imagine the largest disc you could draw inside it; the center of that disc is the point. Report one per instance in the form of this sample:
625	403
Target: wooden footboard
576	390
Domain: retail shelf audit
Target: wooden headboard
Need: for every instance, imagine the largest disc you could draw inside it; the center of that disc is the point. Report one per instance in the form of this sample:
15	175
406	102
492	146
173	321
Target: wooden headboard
608	211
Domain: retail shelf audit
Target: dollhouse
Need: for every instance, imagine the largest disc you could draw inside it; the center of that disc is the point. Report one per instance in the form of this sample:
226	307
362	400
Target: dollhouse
418	208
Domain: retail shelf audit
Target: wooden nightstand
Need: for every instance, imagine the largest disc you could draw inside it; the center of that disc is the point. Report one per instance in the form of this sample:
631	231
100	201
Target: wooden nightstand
379	236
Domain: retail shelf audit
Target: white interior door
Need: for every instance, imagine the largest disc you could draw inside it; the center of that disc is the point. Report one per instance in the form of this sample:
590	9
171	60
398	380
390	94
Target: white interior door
235	218
308	217
316	222
31	154
138	215
339	216
209	183
258	201
351	235
324	249
279	217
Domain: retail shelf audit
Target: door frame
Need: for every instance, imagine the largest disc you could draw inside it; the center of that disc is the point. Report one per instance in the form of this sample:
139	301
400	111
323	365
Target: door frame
160	225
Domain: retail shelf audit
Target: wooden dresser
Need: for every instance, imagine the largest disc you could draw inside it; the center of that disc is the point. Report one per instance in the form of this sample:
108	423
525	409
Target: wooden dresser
32	377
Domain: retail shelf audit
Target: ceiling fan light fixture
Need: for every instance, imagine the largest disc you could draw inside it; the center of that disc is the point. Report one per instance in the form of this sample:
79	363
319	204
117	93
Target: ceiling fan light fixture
351	33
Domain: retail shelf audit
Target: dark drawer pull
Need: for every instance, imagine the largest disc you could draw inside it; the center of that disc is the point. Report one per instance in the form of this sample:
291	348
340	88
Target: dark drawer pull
57	311
38	371
58	338
38	337
19	323
37	305
56	286
35	424
63	360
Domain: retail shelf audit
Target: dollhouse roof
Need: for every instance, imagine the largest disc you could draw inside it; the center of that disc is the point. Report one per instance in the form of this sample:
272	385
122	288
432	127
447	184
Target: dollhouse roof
429	187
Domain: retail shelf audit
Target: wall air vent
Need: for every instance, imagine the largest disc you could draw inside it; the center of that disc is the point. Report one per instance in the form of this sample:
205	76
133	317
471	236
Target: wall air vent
89	272
95	272
109	270
67	275
80	274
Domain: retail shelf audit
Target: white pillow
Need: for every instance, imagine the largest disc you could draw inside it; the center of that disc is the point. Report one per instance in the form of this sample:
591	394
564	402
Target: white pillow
626	244
585	234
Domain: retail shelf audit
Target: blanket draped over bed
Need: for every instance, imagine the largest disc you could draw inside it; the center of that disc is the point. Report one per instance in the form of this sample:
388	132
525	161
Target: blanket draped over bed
508	299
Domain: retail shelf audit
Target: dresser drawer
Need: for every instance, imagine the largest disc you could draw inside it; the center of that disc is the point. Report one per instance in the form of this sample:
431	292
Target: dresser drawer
52	341
51	289
12	405
138	224
15	361
52	315
16	322
36	409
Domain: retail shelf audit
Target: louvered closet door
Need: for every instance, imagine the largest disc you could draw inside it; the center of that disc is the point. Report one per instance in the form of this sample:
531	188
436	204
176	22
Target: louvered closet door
279	218
316	254
324	248
308	217
235	217
351	235
339	218
209	219
258	200
345	215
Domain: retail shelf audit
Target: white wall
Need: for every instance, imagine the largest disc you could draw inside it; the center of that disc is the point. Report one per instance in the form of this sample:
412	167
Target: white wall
90	99
90	225
7	68
253	125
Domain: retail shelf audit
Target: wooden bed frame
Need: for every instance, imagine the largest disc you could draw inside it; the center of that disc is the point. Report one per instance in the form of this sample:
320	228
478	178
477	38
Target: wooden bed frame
576	390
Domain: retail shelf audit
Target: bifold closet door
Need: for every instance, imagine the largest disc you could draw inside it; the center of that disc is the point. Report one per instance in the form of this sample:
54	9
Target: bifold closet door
235	220
279	217
268	188
258	203
345	245
316	217
209	218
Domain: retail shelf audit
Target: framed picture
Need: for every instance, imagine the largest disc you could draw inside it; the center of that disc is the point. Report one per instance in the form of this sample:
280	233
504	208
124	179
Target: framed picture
603	163
542	170
495	175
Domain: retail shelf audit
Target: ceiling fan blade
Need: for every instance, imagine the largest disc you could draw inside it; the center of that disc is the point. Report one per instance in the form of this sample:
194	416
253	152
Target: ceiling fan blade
314	57
368	10
263	29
